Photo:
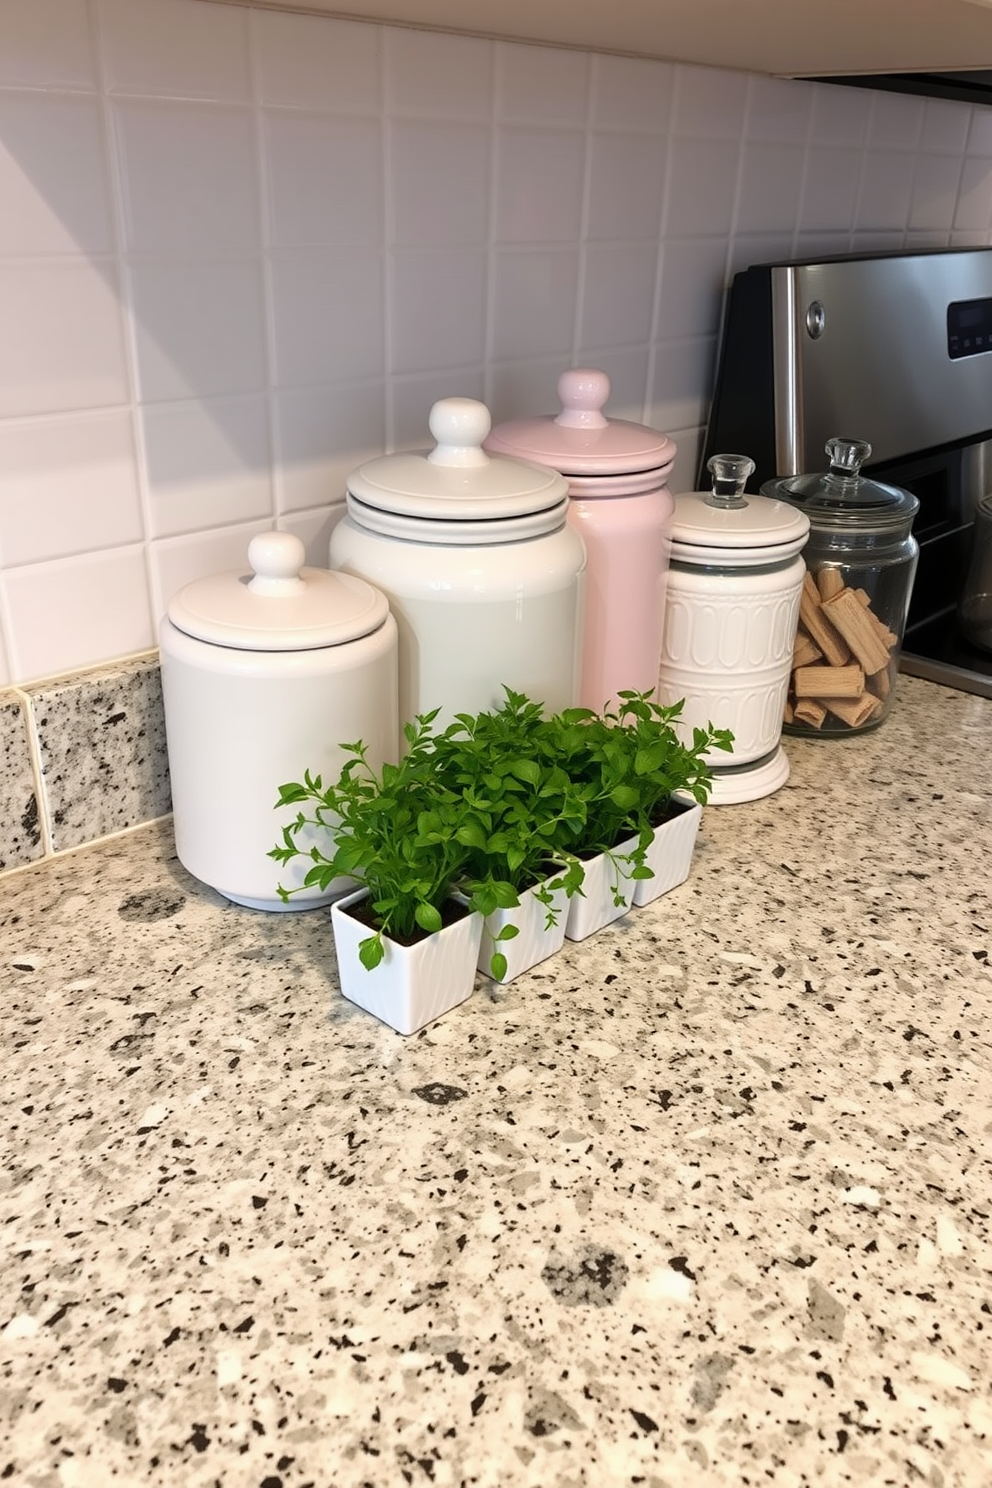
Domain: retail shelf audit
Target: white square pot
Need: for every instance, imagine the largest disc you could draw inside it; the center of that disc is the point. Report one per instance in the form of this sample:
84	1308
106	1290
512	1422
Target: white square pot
606	881
670	854
536	940
412	985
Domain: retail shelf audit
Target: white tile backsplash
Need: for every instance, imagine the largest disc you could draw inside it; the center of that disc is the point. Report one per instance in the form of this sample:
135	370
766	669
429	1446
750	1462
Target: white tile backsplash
886	190
53	180
630	93
830	193
534	298
70	485
320	435
439	182
189	177
618	295
47	46
62	345
207	463
324	179
540	182
438	309
327	315
199	327
242	251
541	85
176	49
74	612
177	561
626	186
701	186
443	77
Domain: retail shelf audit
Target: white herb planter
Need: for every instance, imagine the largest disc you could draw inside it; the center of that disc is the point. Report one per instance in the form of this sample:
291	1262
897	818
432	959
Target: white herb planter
606	881
535	941
412	985
670	855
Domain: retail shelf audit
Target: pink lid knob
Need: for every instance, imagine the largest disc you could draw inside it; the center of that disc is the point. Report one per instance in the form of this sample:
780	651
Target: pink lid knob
583	392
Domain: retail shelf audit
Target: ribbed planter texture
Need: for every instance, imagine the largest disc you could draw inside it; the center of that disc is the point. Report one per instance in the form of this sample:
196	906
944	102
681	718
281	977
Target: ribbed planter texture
605	881
412	985
670	854
536	940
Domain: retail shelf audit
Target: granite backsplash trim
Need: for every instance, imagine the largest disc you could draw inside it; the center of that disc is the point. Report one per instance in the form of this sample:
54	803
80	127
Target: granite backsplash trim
81	757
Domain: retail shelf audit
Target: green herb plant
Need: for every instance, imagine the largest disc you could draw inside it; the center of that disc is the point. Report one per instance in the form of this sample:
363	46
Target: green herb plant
400	830
626	764
522	811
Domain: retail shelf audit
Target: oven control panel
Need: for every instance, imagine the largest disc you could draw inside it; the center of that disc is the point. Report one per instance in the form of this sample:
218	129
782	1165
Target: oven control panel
969	328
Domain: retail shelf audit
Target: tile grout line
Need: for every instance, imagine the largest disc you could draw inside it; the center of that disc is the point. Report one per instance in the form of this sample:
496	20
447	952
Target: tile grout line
37	773
67	852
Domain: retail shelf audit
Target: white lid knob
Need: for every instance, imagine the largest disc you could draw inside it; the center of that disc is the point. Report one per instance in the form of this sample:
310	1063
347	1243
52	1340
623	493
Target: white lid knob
584	393
459	425
276	559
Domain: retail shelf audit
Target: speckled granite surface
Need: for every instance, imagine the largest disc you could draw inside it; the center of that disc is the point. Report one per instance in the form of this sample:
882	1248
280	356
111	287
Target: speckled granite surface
20	826
101	742
706	1199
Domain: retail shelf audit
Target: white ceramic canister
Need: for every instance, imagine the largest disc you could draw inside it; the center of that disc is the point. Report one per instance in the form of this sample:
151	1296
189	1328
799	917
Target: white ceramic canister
482	572
620	502
730	623
265	674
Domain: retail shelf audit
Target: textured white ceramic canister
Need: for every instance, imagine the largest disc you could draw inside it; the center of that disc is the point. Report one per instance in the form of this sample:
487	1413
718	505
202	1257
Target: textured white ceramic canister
482	572
620	503
730	623
265	674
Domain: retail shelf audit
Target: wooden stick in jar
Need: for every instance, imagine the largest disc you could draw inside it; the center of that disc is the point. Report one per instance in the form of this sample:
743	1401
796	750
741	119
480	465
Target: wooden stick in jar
827	683
817	624
810	712
851	619
804	652
885	635
829	582
880	684
855	711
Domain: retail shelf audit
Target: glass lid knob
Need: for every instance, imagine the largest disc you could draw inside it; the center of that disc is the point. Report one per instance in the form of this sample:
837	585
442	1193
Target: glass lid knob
730	473
847	456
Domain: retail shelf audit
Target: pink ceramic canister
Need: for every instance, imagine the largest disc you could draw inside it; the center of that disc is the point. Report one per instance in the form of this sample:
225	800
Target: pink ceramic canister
620	504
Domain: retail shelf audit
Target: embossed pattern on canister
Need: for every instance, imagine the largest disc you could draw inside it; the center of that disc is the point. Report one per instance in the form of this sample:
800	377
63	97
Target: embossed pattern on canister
730	623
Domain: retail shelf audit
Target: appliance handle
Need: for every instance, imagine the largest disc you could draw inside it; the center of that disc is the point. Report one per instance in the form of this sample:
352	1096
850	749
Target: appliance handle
785	372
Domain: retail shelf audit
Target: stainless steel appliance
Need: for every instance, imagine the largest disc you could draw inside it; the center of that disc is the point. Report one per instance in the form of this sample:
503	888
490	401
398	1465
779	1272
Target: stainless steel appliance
895	349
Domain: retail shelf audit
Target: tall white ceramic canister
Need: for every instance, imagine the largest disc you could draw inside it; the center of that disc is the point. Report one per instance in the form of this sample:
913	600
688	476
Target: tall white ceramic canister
621	505
483	574
266	674
734	586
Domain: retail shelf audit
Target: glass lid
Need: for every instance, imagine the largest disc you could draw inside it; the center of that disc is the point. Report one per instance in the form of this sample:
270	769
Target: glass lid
841	497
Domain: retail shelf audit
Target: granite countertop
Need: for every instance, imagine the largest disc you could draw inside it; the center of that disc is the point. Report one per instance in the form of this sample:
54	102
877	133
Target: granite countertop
706	1199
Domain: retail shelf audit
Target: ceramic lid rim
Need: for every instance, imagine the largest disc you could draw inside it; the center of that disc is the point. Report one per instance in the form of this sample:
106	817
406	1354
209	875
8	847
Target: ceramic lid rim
502	487
251	634
518	440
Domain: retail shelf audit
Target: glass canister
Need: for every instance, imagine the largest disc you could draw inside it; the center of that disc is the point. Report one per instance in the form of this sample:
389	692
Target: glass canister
617	475
483	574
266	673
861	562
730	620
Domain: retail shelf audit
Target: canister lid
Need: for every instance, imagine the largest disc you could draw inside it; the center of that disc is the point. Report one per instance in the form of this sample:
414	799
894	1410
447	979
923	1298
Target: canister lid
725	526
278	605
457	479
841	499
581	440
